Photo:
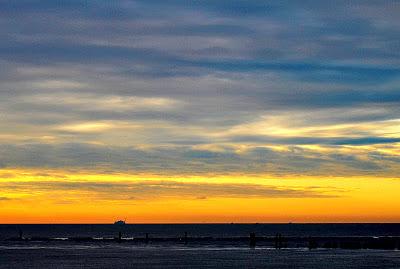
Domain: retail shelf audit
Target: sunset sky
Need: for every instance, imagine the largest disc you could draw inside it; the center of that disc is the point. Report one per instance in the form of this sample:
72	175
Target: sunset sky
199	111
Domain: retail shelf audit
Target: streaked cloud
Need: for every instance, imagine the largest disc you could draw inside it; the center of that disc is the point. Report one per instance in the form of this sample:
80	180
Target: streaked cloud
57	84
312	160
86	127
159	190
201	87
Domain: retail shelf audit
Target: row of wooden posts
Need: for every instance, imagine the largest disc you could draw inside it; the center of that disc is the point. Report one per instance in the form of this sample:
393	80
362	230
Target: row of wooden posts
278	241
147	238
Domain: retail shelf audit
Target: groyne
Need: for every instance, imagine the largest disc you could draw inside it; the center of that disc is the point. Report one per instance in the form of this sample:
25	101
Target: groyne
252	240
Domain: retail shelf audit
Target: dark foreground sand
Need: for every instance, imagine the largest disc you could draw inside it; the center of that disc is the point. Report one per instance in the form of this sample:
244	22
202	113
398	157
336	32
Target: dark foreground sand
117	256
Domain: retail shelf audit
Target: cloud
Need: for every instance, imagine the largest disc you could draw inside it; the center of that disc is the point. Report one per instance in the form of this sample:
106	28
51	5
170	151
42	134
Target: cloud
155	190
317	140
86	127
142	85
190	160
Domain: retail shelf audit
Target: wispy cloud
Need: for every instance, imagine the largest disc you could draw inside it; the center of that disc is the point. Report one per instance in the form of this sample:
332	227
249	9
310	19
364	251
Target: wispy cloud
155	190
139	85
313	160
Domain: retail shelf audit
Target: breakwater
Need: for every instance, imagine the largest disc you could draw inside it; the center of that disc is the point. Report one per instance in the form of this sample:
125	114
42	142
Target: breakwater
278	241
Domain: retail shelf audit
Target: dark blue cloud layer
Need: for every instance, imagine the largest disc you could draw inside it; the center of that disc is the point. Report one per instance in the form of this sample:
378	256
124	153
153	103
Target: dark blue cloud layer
185	160
226	63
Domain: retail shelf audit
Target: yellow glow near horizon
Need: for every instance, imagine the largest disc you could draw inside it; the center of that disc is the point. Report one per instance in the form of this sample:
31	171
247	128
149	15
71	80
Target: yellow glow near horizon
51	196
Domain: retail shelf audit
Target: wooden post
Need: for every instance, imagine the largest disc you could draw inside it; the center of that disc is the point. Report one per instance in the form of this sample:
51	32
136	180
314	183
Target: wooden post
186	238
252	240
312	243
147	238
278	241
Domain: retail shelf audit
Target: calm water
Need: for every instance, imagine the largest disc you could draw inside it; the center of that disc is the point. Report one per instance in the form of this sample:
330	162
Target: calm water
186	257
208	254
214	230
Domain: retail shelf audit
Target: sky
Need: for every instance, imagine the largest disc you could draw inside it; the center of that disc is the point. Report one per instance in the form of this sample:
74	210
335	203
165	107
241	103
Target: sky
199	111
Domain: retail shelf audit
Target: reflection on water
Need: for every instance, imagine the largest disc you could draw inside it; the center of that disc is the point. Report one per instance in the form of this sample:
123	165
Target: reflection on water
217	246
122	256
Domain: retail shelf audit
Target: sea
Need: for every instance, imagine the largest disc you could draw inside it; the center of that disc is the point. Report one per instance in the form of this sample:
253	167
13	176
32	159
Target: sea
196	246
